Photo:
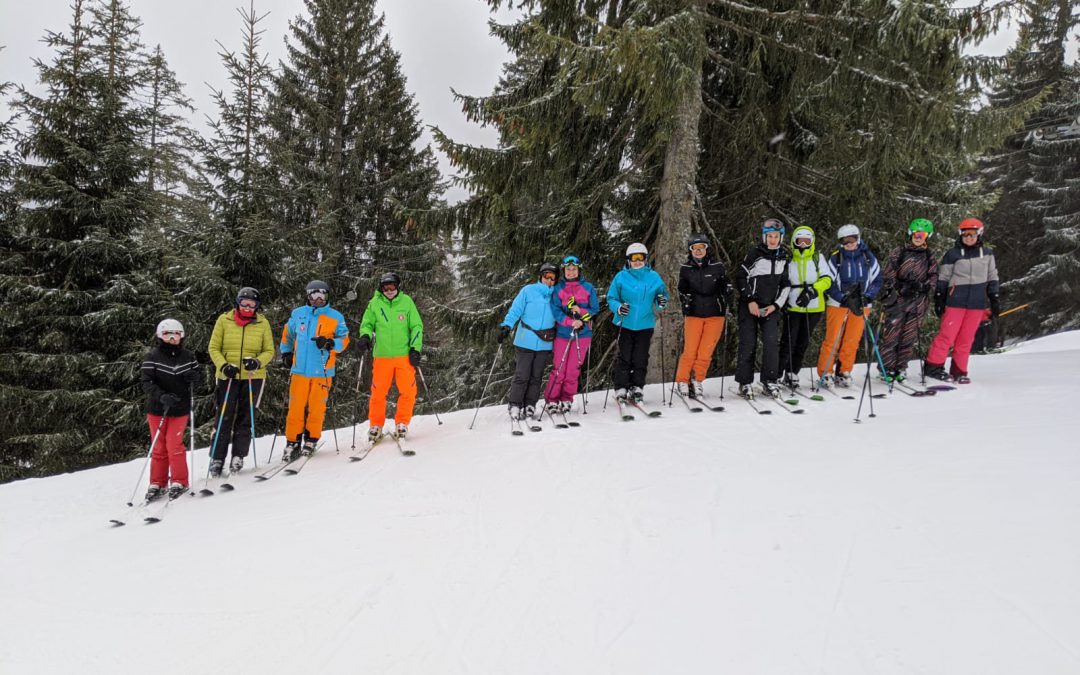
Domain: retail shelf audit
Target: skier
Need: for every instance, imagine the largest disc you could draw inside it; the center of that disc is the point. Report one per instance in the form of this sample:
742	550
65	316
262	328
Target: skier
310	343
704	294
241	346
575	303
911	272
808	275
967	293
532	309
392	320
763	289
856	282
169	375
634	292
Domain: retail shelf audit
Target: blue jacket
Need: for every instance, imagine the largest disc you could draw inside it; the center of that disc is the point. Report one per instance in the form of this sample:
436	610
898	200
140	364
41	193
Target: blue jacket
532	306
640	289
853	269
585	299
305	323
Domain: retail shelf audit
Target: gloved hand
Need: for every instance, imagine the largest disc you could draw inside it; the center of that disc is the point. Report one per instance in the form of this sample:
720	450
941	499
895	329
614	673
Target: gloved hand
661	302
229	370
939	304
286	359
169	400
805	297
323	343
995	306
624	309
414	358
252	364
585	317
503	332
364	343
729	296
853	301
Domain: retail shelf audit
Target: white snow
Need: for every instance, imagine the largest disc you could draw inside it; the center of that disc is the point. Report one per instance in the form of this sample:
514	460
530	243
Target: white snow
941	538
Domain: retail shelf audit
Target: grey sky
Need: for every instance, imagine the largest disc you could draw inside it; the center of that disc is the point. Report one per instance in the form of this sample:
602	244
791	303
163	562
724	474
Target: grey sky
443	44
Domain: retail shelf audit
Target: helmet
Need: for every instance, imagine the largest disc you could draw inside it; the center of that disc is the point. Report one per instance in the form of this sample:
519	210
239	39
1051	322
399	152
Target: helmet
316	285
971	224
571	260
636	247
803	232
848	230
772	225
388	279
921	225
168	326
548	267
248	293
697	239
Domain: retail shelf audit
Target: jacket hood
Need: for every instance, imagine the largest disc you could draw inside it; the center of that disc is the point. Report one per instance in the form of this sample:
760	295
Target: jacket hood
638	273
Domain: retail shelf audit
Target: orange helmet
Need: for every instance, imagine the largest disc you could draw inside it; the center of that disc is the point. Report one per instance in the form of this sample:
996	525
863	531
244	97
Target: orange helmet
971	224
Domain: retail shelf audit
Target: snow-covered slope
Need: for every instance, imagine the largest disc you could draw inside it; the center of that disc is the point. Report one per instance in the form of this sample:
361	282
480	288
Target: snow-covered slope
941	537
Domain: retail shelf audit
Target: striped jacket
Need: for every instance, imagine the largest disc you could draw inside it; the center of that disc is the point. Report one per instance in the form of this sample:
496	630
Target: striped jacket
968	276
163	372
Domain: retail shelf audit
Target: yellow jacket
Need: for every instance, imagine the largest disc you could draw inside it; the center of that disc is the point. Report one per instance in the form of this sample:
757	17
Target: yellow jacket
231	343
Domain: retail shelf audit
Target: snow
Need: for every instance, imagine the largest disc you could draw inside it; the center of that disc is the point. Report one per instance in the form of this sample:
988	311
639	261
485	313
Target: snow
940	537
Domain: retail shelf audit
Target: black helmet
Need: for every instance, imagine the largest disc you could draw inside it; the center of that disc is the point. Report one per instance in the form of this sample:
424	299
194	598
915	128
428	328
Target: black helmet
390	278
697	239
317	285
548	267
248	293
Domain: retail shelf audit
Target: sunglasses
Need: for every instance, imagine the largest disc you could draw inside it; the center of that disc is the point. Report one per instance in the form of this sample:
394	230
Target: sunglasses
636	257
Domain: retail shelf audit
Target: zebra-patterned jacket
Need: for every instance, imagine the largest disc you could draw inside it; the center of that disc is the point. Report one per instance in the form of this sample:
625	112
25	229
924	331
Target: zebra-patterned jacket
911	272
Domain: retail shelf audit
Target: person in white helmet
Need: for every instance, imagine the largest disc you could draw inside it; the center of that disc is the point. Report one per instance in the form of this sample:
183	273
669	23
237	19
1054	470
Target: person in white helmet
636	292
169	376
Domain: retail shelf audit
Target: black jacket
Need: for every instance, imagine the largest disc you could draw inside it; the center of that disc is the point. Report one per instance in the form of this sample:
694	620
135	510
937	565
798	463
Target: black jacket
704	289
763	276
165	371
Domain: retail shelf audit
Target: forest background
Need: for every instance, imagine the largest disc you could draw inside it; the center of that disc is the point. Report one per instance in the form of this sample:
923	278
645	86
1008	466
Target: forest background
613	121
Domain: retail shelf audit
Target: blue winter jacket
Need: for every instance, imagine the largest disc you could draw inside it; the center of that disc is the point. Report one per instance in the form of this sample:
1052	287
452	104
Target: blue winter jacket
850	269
640	289
305	323
532	306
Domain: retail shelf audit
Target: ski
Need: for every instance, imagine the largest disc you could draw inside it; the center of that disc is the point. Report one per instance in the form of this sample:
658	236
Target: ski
275	470
822	387
686	402
363	451
750	402
912	391
708	404
796	391
646	411
515	426
132	511
295	467
623	414
156	515
787	405
940	387
220	483
404	449
568	421
551	416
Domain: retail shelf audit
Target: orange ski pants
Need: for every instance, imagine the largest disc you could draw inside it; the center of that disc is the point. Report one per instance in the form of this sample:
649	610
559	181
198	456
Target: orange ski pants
384	371
306	395
700	336
841	340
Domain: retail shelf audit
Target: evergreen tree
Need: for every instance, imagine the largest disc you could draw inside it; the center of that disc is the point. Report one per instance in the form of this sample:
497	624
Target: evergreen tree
75	324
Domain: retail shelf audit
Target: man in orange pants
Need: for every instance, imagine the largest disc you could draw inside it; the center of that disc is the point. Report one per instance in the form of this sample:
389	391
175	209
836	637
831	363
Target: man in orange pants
704	293
392	319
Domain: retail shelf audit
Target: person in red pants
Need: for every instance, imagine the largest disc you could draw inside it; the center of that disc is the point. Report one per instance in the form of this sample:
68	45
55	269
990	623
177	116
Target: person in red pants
967	294
169	375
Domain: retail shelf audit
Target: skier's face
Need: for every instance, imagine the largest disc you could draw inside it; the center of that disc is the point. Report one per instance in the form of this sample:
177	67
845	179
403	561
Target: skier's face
699	251
772	239
172	337
571	272
918	237
548	279
850	243
317	298
802	243
390	291
247	307
636	260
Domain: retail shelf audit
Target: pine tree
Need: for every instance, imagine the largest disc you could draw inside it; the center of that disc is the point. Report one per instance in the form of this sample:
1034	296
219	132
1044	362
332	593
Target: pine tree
1036	221
74	324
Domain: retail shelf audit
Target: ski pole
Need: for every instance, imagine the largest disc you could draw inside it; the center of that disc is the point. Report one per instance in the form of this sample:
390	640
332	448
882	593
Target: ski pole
153	442
618	350
356	399
427	392
329	400
836	343
675	377
867	386
221	419
191	441
483	393
663	362
251	415
723	350
588	375
556	374
877	351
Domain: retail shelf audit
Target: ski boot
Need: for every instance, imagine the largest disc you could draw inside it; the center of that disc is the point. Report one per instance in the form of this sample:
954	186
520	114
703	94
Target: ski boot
154	492
215	468
696	389
374	434
826	382
622	395
636	395
514	411
553	408
683	389
308	448
937	372
771	389
961	378
528	412
401	430
746	391
843	380
236	465
564	407
899	376
291	451
790	380
176	489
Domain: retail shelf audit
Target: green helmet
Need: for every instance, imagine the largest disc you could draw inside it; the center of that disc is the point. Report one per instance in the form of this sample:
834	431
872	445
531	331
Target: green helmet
921	225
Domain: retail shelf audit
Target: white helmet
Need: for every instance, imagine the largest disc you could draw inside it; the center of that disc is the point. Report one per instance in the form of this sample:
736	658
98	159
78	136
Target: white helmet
848	230
168	326
636	247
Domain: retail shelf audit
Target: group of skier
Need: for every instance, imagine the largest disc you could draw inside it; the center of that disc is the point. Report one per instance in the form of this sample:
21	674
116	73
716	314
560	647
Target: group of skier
783	292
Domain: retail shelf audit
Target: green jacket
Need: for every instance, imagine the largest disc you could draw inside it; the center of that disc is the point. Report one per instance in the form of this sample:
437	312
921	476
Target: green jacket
257	339
807	268
395	325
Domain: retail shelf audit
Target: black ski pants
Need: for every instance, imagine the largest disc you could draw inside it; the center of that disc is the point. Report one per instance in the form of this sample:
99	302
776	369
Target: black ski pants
528	376
633	362
900	332
795	338
236	425
749	326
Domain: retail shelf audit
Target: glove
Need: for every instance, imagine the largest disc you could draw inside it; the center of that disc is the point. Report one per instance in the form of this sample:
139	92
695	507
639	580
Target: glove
323	343
286	359
585	317
804	297
169	400
252	364
853	301
571	303
661	302
939	304
729	295
995	306
229	370
414	358
503	332
364	343
624	309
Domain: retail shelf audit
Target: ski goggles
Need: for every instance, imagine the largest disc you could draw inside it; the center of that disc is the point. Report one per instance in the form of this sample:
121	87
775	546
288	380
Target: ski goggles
317	294
248	304
571	261
636	257
548	276
388	287
849	240
970	233
175	333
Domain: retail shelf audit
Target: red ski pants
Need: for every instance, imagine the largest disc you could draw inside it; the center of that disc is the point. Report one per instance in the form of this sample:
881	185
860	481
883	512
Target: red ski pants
958	326
700	336
307	406
384	372
168	458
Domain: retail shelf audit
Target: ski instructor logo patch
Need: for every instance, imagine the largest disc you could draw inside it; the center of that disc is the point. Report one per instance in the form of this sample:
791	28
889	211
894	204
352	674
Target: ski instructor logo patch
400	317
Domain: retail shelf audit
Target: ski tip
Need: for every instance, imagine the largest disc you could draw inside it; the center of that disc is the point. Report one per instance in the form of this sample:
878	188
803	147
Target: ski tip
655	413
575	424
152	519
764	412
517	432
798	412
205	492
225	487
409	453
117	523
262	478
627	418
